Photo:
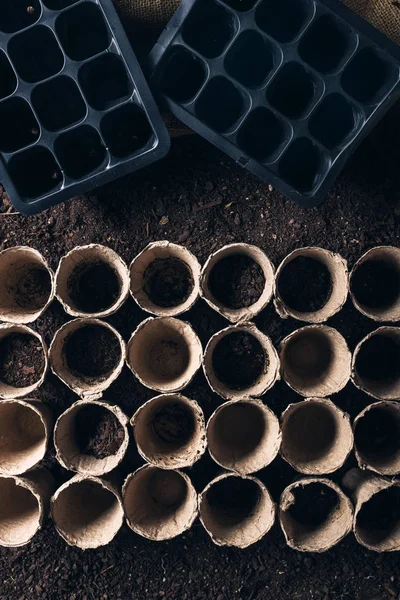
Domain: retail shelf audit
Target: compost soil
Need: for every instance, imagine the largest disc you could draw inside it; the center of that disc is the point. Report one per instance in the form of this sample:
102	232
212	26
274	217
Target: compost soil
305	284
381	512
236	281
376	284
200	198
173	424
92	351
234	499
379	359
33	289
21	360
313	504
93	288
239	360
377	434
168	282
98	432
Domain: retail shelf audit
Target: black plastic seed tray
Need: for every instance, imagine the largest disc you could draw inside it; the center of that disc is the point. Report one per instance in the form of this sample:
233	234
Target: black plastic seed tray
287	88
75	110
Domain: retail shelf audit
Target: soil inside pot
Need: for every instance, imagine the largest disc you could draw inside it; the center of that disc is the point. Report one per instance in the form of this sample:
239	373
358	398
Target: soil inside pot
98	432
173	424
377	434
168	282
92	351
381	513
376	284
313	504
305	284
94	287
21	360
236	281
379	359
239	360
234	499
33	289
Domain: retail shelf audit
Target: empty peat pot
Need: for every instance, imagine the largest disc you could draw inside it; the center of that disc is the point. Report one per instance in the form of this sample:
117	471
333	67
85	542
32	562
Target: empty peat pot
311	285
91	437
236	510
237	281
25	430
315	361
240	361
87	511
375	284
165	279
87	355
26	285
92	281
376	364
164	354
377	438
159	504
314	514
243	436
23	361
24	503
169	431
317	437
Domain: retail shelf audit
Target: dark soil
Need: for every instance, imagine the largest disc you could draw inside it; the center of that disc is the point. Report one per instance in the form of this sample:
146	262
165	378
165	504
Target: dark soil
92	351
239	360
21	360
313	504
236	281
376	284
173	424
382	512
377	434
305	284
379	359
234	498
168	282
98	432
94	288
33	289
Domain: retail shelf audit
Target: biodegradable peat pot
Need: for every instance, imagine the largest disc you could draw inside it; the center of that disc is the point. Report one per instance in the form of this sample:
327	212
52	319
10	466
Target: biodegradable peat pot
311	285
376	364
87	511
92	281
377	510
169	431
159	504
236	511
375	284
317	437
23	343
25	429
377	438
234	268
91	437
243	436
87	355
23	506
164	354
314	514
165	279
315	361
26	285
240	361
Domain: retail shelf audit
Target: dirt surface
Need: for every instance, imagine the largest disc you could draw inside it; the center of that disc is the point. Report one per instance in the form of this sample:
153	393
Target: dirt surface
98	432
313	503
21	360
305	284
239	360
379	359
168	282
377	434
376	284
94	288
236	281
92	351
173	424
33	289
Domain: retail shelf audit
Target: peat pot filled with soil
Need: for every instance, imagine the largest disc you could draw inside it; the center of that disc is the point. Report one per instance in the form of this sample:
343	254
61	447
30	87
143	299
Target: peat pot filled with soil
165	279
26	285
240	361
91	437
87	355
311	284
92	281
169	431
375	284
23	361
237	281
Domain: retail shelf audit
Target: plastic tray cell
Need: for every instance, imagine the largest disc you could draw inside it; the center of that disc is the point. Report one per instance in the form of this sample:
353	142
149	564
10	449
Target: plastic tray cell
287	88
75	110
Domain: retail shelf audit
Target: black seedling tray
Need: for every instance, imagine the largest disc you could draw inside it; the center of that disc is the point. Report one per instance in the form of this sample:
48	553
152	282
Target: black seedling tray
75	110
287	88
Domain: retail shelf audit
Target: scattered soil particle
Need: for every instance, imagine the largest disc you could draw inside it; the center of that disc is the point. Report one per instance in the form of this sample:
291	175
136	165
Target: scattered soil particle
94	287
168	282
92	351
305	284
236	281
33	289
379	359
98	432
173	424
376	284
377	434
239	360
381	512
234	499
21	360
313	504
